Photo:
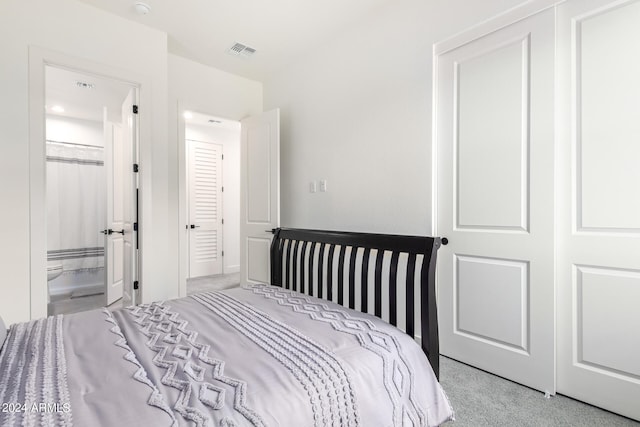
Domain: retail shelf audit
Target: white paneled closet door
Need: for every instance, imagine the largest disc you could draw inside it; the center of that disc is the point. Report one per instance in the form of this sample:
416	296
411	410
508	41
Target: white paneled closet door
599	203
205	208
494	133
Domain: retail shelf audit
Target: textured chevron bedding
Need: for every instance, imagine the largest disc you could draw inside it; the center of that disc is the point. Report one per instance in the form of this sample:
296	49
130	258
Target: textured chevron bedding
254	356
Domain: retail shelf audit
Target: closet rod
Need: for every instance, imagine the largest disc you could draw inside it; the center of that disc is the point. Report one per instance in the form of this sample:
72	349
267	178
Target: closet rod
75	143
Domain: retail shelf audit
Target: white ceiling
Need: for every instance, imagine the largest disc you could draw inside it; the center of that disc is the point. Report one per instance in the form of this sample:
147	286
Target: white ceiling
280	30
79	102
62	90
194	118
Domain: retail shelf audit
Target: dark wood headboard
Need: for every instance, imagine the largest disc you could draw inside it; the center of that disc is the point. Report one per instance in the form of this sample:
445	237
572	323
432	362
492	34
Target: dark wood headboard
308	261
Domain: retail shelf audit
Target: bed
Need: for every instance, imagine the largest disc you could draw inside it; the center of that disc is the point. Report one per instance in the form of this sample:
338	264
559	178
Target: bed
316	347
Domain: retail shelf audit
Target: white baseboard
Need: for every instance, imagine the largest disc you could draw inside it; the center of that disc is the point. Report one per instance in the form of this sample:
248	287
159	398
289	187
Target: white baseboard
230	269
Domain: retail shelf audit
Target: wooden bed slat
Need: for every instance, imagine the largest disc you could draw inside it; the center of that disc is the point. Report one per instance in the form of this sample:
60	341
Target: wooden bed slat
393	289
377	309
364	286
295	265
341	255
332	249
309	264
304	279
409	308
352	278
320	271
288	266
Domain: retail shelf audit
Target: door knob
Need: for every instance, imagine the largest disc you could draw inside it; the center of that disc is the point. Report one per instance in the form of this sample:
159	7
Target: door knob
110	232
195	226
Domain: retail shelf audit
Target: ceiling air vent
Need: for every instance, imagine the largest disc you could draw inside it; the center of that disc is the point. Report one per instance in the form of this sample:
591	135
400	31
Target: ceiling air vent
242	50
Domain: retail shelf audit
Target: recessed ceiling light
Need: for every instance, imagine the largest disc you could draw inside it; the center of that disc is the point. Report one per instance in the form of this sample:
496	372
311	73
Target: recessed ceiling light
57	109
85	85
188	115
141	8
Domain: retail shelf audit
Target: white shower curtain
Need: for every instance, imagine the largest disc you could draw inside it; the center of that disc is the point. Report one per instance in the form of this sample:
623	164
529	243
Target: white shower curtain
75	205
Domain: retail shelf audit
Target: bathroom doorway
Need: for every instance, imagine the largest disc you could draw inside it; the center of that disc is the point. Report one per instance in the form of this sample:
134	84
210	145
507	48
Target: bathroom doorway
91	145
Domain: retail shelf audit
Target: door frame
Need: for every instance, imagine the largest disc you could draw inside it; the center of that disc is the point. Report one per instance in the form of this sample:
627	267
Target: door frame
183	208
39	58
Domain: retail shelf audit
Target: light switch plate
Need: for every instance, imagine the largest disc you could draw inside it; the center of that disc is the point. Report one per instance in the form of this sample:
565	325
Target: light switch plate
313	187
323	185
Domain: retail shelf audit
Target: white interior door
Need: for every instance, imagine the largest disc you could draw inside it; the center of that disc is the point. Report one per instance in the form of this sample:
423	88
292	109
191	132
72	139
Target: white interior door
259	194
114	243
204	170
599	204
129	195
495	198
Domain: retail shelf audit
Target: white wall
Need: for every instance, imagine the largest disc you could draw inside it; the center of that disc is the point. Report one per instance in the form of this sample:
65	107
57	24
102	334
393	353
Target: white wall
80	31
196	87
230	141
74	131
357	112
211	91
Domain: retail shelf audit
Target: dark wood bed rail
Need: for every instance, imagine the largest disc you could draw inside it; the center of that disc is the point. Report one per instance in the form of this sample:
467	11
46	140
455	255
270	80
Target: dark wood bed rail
293	252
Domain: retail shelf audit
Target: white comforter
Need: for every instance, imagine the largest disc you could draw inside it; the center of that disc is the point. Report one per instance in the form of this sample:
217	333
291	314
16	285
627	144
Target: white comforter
255	356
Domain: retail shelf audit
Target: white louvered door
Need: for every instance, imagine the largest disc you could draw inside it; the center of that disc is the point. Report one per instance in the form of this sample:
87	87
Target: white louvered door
204	170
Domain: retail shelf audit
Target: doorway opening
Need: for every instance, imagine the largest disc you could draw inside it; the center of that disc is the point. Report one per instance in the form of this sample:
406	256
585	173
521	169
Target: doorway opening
91	213
212	208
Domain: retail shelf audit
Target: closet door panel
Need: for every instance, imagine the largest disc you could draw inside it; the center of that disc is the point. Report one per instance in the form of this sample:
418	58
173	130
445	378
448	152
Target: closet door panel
491	119
607	104
494	133
598	264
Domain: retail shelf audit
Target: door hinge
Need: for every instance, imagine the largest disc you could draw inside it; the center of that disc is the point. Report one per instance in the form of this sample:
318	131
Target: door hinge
222	221
135	226
135	109
223	157
136	285
136	168
223	189
222	253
